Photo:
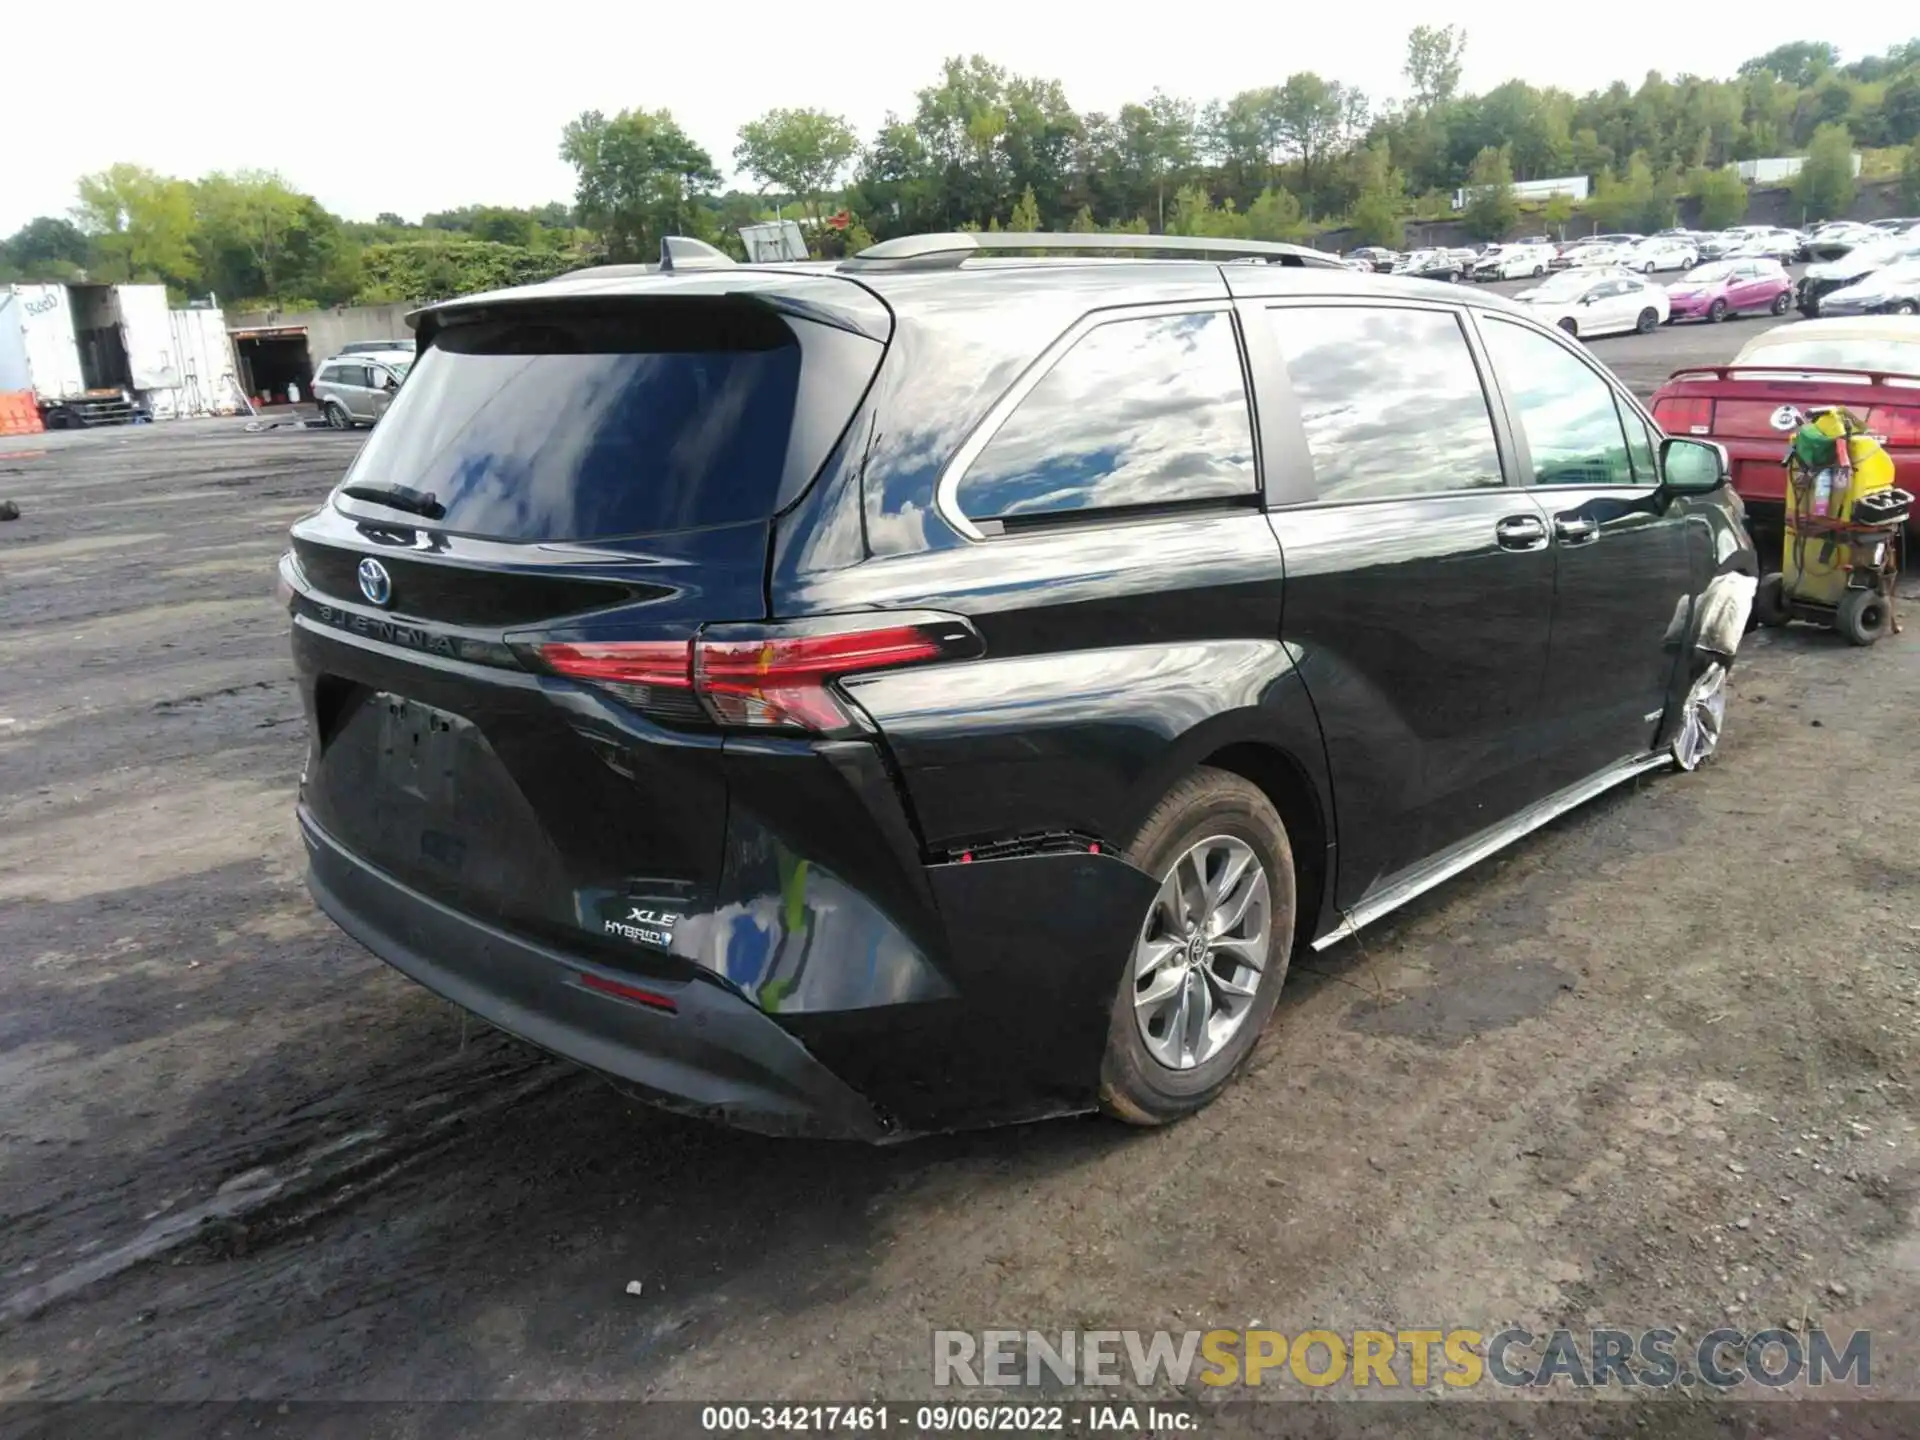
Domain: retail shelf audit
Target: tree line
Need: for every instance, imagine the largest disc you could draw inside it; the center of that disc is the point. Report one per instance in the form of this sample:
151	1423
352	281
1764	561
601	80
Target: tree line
987	148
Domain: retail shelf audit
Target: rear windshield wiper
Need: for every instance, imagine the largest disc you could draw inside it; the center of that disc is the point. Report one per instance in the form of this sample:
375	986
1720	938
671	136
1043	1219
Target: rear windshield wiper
399	497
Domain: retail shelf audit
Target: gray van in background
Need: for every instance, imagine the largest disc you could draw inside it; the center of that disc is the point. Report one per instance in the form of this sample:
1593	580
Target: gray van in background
356	389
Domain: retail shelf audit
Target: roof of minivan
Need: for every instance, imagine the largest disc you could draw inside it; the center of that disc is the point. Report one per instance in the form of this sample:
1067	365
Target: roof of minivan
865	296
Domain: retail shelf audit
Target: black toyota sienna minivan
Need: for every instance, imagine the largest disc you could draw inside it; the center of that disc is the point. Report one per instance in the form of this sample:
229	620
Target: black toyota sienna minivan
946	688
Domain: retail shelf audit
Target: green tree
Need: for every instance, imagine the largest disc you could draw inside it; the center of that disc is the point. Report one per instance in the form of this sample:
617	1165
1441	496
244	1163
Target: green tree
503	226
1026	214
1316	118
803	153
1157	145
1910	179
1556	213
858	238
1433	64
442	266
640	177
1800	62
1379	196
1274	215
1723	199
141	226
1491	208
1900	110
1377	221
1824	187
45	248
1082	222
252	214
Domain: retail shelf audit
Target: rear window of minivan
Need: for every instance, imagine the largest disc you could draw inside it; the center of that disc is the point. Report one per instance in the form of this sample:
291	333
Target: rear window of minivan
548	427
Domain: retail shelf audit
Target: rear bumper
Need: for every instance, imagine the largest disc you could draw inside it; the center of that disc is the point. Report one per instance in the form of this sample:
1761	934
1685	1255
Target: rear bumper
713	1055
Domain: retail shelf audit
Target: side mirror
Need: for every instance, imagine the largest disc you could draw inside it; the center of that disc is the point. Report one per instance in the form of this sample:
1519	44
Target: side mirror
1693	467
392	382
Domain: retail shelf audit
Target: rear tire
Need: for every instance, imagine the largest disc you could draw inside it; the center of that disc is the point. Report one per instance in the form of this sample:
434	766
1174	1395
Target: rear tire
1208	807
1770	601
1571	327
1717	311
1905	307
1538	271
1781	304
1863	616
1649	321
337	417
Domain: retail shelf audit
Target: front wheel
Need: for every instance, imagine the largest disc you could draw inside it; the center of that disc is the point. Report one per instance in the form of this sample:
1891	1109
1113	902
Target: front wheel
1905	307
1717	312
1649	321
1863	616
1780	304
1571	326
1538	271
1212	950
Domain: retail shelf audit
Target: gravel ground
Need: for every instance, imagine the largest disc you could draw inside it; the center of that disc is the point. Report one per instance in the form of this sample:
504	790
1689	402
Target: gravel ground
1653	1065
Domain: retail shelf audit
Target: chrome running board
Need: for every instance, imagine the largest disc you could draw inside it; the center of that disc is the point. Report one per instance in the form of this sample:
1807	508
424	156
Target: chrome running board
1475	848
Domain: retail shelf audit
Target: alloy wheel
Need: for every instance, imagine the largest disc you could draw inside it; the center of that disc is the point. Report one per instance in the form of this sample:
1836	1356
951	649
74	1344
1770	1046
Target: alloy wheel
1197	965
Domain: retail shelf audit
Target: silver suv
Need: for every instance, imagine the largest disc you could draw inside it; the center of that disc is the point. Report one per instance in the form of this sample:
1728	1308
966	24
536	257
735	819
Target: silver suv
356	389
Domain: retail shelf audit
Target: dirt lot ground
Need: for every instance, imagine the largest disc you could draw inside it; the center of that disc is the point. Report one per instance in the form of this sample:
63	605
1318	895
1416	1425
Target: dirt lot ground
1653	1066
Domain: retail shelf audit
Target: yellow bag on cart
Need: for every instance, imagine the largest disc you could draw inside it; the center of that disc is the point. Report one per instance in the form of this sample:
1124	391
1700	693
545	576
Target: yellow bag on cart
1834	466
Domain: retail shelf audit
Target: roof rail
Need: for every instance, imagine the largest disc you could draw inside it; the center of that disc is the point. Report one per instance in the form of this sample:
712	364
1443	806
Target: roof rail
951	250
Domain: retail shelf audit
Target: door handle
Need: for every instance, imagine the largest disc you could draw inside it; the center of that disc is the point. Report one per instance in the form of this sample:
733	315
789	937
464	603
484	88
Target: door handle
1520	532
1577	531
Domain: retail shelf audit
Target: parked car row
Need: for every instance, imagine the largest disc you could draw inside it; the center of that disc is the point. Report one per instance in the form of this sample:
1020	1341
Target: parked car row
1859	268
1829	287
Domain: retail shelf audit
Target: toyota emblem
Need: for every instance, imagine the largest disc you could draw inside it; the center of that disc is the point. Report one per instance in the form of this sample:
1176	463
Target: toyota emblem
375	583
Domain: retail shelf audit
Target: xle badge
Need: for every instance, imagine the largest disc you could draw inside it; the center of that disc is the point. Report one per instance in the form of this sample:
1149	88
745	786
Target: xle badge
645	927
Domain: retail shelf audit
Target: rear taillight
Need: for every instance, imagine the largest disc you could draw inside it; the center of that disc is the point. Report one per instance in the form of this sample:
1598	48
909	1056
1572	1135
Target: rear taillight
783	682
1898	425
760	677
1691	415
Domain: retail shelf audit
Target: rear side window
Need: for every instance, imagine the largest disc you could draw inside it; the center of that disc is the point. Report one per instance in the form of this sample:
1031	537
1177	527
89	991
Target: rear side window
572	426
1569	414
1150	410
1391	401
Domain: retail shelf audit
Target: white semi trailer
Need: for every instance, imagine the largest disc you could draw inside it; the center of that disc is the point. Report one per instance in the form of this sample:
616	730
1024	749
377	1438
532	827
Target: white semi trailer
109	354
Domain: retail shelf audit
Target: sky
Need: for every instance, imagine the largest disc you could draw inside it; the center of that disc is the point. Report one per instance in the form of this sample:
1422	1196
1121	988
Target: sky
420	105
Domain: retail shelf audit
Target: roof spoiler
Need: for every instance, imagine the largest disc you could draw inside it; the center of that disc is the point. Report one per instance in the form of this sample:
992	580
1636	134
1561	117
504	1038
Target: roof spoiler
951	250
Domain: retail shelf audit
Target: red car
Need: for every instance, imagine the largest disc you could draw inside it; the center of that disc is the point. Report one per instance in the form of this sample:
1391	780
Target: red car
1871	365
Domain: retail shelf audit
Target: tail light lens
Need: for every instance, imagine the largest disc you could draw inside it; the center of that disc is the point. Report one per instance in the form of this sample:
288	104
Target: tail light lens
1899	423
1691	415
761	677
655	677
